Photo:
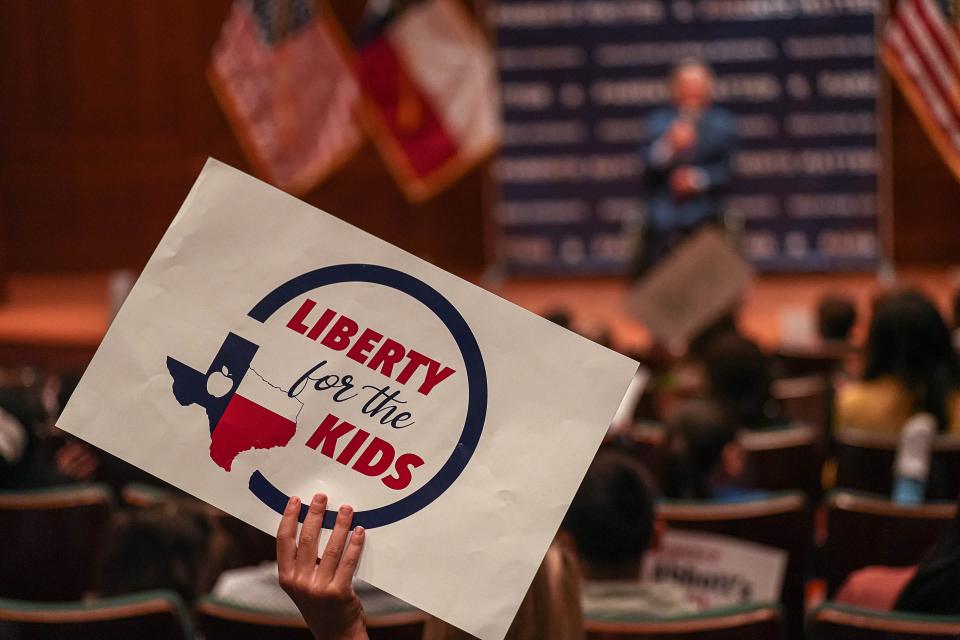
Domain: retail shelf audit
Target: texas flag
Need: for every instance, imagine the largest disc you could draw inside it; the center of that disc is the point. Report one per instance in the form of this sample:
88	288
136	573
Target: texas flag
432	105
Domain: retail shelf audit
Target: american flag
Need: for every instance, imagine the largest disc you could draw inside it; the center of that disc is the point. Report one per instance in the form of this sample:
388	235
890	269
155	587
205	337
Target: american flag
287	89
921	51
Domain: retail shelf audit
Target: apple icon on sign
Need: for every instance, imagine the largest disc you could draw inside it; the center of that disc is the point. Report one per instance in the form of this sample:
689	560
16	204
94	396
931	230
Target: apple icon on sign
219	383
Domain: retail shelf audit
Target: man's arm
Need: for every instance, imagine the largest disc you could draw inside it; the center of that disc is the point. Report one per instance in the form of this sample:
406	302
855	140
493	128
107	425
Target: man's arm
658	153
714	170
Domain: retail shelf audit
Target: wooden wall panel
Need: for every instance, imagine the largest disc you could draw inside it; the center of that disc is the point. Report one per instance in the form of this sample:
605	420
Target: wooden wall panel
926	196
106	118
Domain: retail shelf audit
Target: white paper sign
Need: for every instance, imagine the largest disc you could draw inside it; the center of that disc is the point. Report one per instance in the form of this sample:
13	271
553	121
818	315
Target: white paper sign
270	349
715	570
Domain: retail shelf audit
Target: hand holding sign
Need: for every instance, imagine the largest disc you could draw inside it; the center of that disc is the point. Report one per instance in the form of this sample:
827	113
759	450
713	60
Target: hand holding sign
323	591
270	350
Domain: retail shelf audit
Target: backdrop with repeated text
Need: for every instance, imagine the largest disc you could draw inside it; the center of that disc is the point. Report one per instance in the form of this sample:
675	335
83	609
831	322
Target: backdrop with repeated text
580	76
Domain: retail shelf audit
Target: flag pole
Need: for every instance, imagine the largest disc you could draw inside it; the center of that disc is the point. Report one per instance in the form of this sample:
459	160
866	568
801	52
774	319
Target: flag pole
494	272
886	269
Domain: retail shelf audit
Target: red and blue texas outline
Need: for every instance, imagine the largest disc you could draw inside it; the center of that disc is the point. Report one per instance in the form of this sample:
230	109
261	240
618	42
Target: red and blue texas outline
237	424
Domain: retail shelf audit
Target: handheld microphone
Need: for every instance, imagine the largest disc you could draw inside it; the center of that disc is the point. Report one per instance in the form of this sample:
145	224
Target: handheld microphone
911	467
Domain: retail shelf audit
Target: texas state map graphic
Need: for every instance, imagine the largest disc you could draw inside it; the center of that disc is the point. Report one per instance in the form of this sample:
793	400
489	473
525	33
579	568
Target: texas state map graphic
237	423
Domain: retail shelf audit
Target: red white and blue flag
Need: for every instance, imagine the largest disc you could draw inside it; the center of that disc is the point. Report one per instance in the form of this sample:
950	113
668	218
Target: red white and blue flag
921	51
431	99
287	89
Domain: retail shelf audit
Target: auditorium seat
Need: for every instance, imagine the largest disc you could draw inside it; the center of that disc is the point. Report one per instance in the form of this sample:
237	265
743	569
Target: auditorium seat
247	546
865	530
784	459
52	538
780	521
220	620
805	400
865	463
817	360
838	622
748	622
144	496
150	615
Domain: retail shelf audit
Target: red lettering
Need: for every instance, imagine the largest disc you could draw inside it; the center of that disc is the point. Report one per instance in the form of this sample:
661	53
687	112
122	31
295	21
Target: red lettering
364	343
432	378
321	324
338	338
296	322
328	433
366	465
402	469
352	447
390	353
417	360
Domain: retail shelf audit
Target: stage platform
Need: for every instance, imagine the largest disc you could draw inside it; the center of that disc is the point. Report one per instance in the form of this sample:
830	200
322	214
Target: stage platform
57	321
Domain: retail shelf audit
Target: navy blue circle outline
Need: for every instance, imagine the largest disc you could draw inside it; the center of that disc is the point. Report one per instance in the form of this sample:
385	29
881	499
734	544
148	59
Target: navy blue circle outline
476	385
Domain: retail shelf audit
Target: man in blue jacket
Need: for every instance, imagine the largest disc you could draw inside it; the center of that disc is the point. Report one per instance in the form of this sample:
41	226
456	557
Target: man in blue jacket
686	164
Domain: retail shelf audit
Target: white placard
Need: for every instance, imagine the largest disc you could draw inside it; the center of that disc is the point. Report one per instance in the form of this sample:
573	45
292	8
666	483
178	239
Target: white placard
717	571
269	349
700	281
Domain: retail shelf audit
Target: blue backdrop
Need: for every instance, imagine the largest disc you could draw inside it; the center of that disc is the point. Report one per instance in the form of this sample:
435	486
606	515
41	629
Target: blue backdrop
579	76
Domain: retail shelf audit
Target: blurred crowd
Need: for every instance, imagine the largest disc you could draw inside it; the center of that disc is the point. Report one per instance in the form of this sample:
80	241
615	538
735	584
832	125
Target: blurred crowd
688	438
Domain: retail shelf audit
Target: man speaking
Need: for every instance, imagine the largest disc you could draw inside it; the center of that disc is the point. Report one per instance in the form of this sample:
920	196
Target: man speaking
686	165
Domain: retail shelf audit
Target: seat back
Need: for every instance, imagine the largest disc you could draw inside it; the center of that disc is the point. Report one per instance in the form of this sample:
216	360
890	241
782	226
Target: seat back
865	463
865	530
820	359
805	400
784	460
219	620
781	522
753	622
838	622
151	615
51	532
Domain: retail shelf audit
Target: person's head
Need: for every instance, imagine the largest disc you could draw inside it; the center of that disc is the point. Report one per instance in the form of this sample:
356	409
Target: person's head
956	310
909	341
701	450
559	316
611	521
738	379
836	315
550	609
691	83
154	548
700	344
933	589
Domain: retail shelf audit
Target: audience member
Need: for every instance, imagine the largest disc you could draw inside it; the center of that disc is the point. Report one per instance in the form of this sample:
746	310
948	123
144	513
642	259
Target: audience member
550	609
704	461
935	587
611	523
911	368
738	379
559	316
24	461
324	594
955	327
836	316
930	588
